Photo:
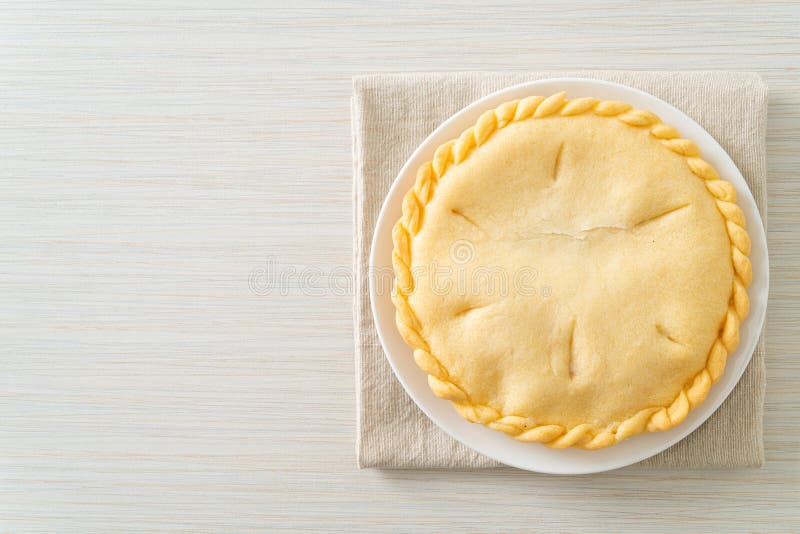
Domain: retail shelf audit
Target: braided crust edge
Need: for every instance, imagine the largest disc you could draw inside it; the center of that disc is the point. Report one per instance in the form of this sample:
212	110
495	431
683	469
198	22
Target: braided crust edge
587	436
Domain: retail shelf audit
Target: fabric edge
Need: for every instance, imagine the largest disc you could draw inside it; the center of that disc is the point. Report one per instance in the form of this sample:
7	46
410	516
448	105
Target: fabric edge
764	210
356	309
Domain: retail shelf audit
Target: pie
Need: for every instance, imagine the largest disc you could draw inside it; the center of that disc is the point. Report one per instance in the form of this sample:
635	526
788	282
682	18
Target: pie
571	272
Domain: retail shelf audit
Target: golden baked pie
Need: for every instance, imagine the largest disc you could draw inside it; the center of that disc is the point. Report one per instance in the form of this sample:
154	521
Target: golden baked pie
571	272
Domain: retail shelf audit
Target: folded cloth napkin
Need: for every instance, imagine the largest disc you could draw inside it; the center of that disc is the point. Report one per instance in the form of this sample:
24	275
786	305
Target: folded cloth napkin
393	113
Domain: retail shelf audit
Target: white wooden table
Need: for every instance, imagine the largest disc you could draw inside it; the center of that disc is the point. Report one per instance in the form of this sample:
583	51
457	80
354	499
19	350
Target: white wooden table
153	157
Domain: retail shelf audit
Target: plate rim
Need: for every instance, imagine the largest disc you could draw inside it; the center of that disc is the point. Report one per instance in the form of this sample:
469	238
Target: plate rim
755	318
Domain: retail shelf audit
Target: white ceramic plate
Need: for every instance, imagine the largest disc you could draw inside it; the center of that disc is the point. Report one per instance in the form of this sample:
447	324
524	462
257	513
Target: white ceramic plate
534	456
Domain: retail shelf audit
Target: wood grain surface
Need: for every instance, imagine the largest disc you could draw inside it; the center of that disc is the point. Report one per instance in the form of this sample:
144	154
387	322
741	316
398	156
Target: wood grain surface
161	163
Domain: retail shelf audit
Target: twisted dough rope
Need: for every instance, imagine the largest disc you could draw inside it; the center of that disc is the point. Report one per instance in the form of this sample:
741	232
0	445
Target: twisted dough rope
587	436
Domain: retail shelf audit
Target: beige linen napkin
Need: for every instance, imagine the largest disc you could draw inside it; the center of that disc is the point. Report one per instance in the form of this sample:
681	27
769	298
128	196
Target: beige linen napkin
393	113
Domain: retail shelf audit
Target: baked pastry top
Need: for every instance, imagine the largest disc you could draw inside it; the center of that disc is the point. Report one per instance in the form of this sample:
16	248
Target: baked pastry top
571	272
